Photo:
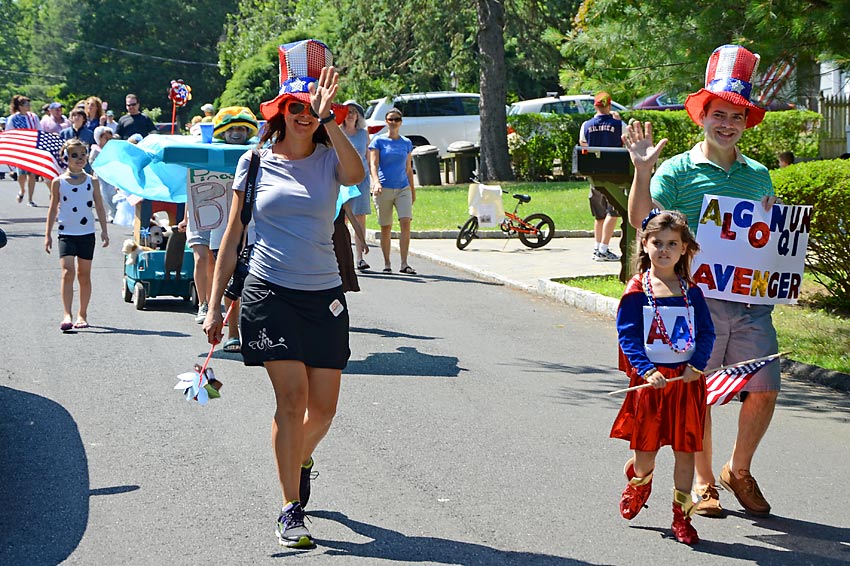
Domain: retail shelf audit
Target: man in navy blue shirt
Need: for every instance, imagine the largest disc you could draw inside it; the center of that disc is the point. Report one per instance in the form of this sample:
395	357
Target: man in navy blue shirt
603	130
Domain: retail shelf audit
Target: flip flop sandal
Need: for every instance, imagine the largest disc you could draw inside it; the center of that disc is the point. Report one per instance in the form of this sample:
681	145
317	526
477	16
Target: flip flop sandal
232	346
19	198
388	270
362	265
408	270
66	326
81	324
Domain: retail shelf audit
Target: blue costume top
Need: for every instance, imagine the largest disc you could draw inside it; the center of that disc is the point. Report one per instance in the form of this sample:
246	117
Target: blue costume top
643	347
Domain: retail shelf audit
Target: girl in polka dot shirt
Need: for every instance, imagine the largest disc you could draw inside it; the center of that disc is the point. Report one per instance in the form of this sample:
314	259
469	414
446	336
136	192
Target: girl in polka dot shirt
72	196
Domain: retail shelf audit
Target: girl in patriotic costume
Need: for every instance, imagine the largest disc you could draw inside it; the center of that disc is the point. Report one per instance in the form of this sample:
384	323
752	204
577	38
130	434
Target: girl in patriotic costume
665	332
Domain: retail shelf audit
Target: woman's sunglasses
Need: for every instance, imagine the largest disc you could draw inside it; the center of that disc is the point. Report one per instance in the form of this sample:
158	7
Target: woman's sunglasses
393	119
296	108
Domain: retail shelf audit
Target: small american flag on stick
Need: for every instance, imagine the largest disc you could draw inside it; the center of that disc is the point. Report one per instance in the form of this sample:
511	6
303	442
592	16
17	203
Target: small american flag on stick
32	150
723	383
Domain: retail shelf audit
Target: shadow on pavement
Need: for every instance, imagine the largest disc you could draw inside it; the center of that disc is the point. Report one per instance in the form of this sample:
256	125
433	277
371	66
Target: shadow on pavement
801	542
44	493
389	333
45	489
387	544
813	402
426	278
538	366
25	221
405	361
136	332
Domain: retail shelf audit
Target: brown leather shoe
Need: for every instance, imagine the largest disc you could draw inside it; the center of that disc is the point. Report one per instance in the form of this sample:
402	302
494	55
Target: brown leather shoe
746	491
708	502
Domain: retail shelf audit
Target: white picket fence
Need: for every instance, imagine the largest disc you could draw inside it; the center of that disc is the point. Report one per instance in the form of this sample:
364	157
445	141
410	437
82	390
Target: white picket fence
834	126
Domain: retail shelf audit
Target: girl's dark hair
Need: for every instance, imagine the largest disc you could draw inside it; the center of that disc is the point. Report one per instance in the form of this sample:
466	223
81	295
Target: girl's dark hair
18	100
675	221
275	129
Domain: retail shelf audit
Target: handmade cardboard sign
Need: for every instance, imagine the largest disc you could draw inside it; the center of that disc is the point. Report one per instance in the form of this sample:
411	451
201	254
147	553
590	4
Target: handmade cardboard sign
209	197
748	254
208	193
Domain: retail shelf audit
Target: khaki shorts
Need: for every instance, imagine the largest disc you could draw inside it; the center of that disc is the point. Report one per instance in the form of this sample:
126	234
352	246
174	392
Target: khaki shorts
402	199
745	332
599	206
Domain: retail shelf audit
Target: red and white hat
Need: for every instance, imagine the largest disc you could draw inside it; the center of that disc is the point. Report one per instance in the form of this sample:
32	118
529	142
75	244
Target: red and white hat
728	75
301	63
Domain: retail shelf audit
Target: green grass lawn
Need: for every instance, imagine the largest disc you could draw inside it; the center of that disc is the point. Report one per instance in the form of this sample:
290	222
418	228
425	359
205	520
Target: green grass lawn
812	335
445	208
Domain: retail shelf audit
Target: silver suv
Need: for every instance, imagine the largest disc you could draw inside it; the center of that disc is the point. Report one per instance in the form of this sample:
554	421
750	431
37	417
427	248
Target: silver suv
430	118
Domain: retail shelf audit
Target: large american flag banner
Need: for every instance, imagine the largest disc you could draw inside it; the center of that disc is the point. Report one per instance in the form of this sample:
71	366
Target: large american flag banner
32	150
723	384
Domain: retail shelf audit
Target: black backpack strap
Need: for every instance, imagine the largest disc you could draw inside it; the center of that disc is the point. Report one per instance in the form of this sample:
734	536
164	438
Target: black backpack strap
250	188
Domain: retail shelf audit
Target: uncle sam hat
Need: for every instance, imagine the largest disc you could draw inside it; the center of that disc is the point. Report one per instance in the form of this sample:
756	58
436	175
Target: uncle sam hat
728	75
301	63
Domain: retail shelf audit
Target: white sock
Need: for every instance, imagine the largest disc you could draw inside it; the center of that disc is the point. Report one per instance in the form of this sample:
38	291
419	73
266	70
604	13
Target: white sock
596	246
603	248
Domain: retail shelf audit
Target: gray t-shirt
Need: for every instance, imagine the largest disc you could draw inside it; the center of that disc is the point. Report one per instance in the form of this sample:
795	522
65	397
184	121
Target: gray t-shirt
294	216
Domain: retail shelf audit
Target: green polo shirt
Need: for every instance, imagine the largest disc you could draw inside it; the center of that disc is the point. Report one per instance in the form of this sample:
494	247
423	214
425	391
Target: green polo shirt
680	182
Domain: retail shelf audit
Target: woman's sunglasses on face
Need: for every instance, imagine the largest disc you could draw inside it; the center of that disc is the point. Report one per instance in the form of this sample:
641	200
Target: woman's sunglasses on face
296	108
394	119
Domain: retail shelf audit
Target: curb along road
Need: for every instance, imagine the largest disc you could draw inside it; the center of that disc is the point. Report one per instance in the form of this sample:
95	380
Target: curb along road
498	259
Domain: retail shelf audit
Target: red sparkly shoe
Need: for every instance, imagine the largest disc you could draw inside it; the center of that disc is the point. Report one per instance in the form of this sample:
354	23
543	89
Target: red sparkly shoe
683	508
636	493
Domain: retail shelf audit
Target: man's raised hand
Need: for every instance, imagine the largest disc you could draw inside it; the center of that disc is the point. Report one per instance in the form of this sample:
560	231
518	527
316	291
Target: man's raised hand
638	140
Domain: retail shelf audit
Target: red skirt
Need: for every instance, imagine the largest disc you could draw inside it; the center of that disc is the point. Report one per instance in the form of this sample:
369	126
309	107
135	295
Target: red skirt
673	416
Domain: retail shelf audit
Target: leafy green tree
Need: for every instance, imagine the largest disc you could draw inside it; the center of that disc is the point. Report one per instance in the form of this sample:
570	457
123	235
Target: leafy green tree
139	47
638	47
16	74
255	22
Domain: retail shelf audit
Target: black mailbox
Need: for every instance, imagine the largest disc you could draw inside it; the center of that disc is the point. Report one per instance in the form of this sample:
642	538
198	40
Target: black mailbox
588	161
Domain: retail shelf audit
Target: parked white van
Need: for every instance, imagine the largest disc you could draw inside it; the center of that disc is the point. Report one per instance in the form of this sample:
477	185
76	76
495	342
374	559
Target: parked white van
430	118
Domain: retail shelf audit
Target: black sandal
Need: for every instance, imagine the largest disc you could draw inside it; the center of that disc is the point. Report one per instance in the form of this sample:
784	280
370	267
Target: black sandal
408	270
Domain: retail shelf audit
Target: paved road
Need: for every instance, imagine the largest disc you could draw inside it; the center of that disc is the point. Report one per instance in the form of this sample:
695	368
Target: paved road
472	429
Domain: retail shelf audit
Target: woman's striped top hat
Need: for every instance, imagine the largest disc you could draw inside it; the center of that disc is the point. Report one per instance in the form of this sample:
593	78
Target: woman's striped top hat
301	63
728	75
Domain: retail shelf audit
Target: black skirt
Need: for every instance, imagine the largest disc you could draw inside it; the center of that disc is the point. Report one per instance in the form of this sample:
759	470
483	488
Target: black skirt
287	324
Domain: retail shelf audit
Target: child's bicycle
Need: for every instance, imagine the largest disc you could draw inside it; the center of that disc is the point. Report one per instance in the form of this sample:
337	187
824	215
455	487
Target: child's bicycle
535	230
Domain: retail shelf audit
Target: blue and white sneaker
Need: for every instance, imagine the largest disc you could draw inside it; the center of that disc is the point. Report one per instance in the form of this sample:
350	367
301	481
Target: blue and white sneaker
607	255
290	529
